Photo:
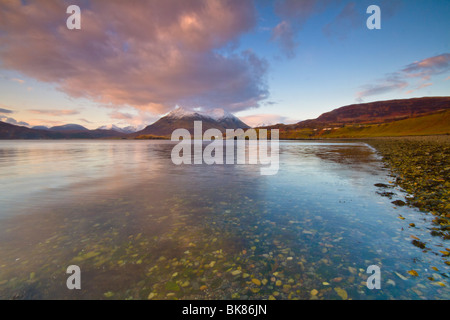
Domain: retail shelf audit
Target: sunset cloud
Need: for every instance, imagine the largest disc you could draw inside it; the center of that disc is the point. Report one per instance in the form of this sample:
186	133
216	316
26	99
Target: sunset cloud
260	120
13	121
428	67
85	120
389	84
141	118
151	55
419	72
2	110
121	115
423	85
20	81
55	113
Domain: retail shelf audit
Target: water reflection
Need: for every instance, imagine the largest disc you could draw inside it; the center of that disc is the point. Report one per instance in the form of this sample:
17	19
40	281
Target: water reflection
140	227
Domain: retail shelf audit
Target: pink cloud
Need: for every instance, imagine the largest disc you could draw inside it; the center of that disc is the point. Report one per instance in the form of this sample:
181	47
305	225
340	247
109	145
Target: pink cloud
13	121
151	55
391	83
349	18
20	81
423	85
413	76
294	14
429	66
4	110
260	120
284	34
56	113
139	119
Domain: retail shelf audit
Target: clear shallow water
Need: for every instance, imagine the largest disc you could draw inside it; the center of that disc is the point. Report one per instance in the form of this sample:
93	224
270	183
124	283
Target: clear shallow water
139	226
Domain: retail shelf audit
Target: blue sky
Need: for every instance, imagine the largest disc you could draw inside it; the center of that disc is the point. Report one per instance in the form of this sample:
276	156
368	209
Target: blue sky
266	61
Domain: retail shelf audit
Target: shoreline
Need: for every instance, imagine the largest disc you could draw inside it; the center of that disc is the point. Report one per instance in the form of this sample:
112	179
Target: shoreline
421	167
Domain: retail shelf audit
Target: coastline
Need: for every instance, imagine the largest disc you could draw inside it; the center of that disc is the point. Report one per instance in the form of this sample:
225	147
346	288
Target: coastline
421	167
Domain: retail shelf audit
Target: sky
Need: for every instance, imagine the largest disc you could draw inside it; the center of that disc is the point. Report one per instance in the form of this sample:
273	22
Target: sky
266	61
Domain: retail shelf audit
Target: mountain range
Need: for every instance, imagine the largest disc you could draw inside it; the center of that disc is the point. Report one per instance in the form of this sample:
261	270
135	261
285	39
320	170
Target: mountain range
428	115
402	117
9	131
181	118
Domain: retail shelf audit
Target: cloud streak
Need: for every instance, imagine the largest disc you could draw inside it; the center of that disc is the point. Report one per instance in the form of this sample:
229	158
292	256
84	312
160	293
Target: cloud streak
294	14
13	121
151	55
348	19
353	17
55	113
419	72
429	67
2	110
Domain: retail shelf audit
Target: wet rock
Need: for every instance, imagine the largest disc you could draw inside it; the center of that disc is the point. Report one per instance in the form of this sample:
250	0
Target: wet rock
341	293
399	203
382	185
419	244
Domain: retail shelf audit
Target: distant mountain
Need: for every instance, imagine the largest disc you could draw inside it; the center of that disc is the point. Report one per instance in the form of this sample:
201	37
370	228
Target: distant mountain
9	131
126	130
40	128
375	112
68	127
427	115
181	118
364	116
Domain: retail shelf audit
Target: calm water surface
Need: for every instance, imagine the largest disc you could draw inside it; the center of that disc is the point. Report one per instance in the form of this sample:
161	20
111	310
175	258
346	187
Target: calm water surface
140	227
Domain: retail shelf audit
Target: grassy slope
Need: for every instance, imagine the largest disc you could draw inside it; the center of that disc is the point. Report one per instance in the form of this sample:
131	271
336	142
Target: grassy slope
434	124
438	123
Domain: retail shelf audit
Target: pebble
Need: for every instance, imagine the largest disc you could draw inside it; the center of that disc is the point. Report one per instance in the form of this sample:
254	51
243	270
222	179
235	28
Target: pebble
342	293
391	282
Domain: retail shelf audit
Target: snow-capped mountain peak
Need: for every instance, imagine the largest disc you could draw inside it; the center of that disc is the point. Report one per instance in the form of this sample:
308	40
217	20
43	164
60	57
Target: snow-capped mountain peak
215	114
129	129
220	114
180	113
